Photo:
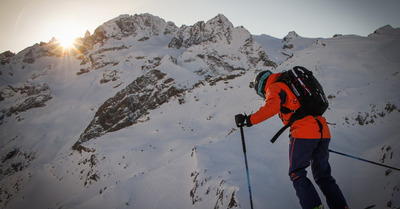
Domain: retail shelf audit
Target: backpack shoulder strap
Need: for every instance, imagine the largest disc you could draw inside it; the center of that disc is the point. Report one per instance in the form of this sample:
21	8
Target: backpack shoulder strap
276	136
299	114
284	78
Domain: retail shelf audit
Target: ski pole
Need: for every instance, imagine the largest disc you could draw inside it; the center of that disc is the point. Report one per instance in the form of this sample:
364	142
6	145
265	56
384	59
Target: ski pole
247	167
245	161
368	161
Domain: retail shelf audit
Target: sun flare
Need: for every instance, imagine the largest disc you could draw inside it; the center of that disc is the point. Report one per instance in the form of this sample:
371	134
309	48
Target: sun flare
66	42
66	34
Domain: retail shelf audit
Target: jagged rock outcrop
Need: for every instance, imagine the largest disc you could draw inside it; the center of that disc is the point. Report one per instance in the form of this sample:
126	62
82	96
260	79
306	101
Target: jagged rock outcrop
217	47
218	28
5	57
32	53
135	28
290	36
140	27
145	93
20	98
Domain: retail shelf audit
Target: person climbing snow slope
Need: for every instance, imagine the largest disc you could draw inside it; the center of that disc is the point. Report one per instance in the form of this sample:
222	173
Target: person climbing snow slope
309	142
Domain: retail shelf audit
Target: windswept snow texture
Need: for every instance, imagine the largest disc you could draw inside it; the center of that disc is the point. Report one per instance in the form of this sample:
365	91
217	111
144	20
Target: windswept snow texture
143	117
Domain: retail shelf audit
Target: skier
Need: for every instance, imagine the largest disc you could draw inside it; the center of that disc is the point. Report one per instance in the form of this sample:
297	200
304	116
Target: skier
309	141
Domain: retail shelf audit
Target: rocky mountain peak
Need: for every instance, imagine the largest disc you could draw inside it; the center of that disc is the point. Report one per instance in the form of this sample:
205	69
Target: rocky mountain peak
138	26
144	25
218	28
290	36
220	22
385	31
5	57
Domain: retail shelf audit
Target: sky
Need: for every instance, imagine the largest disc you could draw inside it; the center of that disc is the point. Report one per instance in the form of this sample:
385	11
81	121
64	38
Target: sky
26	22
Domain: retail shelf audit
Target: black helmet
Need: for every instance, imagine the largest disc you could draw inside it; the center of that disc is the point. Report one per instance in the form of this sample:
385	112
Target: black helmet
259	82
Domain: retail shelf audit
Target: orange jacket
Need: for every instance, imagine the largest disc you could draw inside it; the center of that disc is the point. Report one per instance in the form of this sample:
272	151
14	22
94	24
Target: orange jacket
279	94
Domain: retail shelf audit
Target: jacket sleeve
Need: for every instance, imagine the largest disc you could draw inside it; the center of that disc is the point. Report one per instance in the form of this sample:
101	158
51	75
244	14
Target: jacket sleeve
271	107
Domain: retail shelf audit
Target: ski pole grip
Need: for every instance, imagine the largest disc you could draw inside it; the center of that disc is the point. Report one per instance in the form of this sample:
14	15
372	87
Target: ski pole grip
238	120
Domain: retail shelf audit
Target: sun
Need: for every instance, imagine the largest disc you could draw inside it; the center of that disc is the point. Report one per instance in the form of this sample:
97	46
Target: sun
66	41
66	34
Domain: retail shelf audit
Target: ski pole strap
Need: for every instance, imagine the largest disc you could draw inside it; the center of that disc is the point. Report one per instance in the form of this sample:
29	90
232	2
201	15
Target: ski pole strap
280	132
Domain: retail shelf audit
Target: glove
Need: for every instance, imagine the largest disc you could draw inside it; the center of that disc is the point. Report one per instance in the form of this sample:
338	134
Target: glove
242	120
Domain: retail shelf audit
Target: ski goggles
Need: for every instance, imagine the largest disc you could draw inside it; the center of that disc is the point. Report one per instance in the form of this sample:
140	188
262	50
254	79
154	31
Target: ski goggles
259	83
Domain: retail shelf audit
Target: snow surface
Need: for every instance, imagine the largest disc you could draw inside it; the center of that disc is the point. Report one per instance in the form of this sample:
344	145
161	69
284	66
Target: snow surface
190	155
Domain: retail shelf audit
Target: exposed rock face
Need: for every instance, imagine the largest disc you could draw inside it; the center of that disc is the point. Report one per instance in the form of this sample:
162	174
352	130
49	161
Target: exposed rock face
217	47
5	57
124	109
145	25
290	36
287	40
140	27
218	28
23	97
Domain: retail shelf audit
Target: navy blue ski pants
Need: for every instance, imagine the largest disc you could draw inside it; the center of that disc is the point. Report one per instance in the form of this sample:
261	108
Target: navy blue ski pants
302	153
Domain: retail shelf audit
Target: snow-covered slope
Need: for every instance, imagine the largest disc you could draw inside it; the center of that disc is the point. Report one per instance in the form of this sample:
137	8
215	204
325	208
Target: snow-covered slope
142	117
280	50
